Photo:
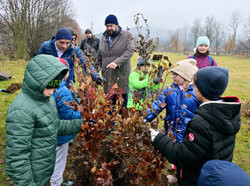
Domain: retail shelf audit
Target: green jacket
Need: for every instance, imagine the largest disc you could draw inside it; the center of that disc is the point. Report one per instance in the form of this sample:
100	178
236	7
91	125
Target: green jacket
141	83
32	125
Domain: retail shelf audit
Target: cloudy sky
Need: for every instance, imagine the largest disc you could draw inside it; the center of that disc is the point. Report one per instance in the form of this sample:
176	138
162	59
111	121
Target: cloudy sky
161	14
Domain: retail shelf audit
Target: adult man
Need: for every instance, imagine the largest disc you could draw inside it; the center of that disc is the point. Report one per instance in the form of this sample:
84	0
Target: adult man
61	46
90	44
114	55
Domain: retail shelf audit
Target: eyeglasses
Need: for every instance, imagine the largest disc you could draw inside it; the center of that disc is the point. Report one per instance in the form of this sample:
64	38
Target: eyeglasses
174	74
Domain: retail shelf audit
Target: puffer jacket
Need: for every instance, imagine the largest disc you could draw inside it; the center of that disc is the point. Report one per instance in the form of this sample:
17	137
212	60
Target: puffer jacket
210	135
203	60
141	83
65	112
32	125
48	47
176	103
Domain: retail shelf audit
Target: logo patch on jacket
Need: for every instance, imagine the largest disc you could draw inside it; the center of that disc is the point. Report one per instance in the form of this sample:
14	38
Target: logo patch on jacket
191	136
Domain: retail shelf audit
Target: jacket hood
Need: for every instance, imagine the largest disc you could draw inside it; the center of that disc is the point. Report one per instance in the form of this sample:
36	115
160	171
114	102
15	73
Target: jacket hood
39	72
223	114
219	172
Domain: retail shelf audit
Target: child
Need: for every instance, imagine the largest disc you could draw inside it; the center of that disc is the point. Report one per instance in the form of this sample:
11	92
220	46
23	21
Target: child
32	123
177	100
139	81
66	113
202	53
210	133
220	172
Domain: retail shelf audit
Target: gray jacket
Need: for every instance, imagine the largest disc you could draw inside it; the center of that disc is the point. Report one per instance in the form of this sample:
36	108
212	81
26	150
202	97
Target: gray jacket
120	53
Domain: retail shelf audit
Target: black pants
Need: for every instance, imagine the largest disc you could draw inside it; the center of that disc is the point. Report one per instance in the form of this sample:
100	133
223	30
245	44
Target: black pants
124	97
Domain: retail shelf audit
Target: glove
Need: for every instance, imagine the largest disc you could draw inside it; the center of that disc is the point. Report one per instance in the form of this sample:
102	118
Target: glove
99	80
159	75
153	134
91	122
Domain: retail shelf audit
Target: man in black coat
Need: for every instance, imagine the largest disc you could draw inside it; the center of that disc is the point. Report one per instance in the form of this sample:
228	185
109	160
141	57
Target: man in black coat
90	44
210	133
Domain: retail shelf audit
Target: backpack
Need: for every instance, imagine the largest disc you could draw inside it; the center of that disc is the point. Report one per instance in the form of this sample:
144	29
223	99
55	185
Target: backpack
211	61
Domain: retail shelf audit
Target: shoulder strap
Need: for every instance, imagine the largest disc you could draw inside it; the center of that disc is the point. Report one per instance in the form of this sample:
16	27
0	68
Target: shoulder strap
210	60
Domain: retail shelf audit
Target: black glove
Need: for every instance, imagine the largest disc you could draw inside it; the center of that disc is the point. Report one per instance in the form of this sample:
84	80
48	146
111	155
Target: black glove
159	75
99	80
91	122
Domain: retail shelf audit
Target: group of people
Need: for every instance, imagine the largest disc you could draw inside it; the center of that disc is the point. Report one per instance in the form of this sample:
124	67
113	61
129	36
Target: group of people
39	125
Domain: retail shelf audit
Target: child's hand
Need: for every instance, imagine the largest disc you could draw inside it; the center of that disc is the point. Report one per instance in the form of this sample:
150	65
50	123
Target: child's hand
99	80
153	134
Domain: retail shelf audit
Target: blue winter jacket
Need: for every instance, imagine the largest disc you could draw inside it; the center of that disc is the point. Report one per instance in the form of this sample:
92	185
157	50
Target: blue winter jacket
220	172
64	111
176	104
48	47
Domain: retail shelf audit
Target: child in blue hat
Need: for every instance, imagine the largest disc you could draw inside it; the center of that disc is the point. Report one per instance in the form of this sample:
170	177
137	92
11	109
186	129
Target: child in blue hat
210	133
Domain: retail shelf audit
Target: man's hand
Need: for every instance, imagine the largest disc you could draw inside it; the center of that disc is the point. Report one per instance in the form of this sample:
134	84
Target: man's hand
112	65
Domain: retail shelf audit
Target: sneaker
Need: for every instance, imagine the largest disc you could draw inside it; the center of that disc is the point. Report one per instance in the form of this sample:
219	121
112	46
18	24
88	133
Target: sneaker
67	183
172	179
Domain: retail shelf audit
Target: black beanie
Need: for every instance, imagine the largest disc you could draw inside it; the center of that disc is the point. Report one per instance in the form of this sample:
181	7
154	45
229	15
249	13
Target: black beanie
111	19
63	33
88	31
212	81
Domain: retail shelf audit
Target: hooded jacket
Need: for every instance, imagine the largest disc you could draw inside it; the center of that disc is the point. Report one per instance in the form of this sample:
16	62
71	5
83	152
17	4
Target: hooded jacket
65	111
32	125
219	172
210	135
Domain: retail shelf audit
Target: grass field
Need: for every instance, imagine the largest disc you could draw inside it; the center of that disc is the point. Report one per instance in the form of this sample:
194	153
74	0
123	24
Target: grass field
239	68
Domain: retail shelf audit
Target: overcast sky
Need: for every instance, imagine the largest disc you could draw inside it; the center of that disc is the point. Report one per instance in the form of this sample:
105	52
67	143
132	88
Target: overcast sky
161	14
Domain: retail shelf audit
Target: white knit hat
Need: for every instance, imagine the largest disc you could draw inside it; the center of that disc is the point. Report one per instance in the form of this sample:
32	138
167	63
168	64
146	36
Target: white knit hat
186	69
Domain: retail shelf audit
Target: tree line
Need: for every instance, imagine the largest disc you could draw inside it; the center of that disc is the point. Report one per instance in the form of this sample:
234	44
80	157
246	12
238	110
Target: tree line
232	37
25	24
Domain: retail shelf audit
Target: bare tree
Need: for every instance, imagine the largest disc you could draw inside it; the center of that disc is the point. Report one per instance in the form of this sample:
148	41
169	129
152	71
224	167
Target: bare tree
245	36
72	23
176	43
234	24
30	22
13	14
218	36
208	28
196	30
186	41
